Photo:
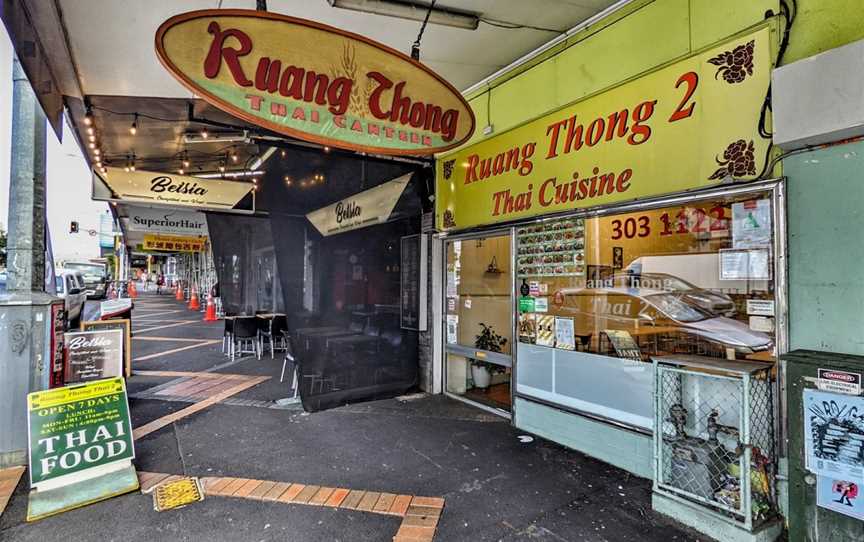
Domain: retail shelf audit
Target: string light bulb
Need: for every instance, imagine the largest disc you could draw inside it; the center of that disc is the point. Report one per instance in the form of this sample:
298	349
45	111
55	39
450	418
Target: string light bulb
204	134
88	116
234	156
326	149
92	145
92	138
90	131
97	152
221	167
185	159
134	128
283	153
181	171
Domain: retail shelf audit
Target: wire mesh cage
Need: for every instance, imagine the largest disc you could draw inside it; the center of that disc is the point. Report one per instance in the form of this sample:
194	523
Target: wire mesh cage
714	437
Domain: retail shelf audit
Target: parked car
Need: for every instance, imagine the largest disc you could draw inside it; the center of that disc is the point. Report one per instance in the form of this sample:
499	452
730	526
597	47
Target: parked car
635	309
70	287
95	278
715	302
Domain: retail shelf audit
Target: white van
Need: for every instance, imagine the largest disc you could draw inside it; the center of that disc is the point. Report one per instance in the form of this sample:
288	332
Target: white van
71	288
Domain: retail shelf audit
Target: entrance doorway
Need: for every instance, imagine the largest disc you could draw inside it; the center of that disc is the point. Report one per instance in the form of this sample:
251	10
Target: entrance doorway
479	320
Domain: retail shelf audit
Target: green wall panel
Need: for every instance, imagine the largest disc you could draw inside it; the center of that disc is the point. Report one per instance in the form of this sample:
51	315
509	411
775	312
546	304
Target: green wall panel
627	450
826	254
824	24
619	53
712	21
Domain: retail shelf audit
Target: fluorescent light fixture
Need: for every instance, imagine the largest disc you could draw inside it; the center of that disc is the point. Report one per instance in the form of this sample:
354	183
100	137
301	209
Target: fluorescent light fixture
263	158
215	137
229	174
414	11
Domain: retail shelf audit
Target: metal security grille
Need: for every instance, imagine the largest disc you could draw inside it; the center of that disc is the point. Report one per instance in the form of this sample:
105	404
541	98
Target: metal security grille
714	441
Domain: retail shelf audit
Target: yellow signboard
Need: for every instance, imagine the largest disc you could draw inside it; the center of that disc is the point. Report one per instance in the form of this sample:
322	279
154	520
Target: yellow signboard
174	243
689	125
314	82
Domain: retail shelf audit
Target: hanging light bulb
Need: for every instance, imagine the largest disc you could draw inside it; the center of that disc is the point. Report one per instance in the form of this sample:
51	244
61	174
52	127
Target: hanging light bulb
185	159
181	171
326	149
96	151
204	134
132	162
92	138
283	153
221	167
92	145
134	128
90	131
88	116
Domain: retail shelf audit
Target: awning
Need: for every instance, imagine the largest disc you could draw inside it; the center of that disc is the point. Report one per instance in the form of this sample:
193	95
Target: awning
167	189
373	206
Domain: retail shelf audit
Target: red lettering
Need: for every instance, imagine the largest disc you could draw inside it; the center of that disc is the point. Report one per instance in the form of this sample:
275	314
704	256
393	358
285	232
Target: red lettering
541	196
255	102
218	52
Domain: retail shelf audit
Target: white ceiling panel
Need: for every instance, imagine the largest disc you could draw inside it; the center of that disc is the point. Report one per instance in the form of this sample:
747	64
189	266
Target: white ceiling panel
112	40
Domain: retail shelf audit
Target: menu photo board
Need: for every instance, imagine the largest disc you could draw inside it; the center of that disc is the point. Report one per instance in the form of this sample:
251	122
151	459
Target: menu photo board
93	355
125	326
412	280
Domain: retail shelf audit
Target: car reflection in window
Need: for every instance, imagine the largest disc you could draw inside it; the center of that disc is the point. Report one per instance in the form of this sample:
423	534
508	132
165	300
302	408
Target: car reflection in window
639	310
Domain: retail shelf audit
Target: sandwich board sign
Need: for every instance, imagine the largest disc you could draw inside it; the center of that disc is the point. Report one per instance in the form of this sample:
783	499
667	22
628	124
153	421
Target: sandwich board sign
80	446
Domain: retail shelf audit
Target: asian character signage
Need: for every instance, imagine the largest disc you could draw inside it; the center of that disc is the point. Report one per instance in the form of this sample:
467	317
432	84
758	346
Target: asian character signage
174	243
689	125
346	90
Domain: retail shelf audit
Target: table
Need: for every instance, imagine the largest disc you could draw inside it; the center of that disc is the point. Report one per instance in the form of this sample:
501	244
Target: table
269	315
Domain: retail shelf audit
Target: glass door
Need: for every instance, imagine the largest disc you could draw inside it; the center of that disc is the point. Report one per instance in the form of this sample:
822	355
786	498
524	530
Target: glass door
479	320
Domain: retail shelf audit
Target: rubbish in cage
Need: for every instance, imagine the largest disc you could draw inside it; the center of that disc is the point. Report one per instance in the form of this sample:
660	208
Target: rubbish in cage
714	435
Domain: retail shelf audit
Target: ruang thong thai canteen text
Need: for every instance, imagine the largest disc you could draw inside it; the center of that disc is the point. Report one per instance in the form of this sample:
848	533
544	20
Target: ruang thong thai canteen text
688	125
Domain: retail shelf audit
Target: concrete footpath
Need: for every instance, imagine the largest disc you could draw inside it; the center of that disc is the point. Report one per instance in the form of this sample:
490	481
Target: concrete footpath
414	468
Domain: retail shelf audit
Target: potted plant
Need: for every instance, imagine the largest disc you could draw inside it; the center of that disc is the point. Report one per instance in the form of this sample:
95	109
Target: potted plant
482	371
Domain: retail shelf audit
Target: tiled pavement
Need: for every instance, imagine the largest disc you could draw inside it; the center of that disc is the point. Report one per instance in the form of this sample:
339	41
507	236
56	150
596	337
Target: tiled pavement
420	515
496	488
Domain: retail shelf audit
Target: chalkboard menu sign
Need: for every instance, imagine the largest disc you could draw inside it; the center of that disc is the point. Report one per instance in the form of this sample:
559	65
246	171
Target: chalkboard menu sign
93	355
123	325
411	290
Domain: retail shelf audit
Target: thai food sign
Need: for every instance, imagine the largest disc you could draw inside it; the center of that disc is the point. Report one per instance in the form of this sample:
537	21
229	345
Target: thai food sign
313	82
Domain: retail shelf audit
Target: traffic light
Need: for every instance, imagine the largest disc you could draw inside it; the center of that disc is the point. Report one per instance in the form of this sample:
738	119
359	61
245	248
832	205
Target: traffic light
73	227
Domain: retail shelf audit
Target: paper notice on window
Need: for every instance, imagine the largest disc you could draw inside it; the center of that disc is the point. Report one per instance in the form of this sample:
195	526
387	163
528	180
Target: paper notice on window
541	304
452	328
564	336
751	224
744	264
833	437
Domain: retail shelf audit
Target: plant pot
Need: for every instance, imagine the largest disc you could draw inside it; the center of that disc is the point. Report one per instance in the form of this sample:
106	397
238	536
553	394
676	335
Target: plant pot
481	376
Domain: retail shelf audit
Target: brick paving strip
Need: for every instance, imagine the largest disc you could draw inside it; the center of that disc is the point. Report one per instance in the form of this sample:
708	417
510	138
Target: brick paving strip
8	482
420	515
243	382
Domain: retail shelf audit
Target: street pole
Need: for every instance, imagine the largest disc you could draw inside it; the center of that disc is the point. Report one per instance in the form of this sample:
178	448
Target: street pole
25	308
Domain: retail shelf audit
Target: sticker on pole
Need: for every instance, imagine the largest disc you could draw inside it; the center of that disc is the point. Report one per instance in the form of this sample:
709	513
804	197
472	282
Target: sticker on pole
839	381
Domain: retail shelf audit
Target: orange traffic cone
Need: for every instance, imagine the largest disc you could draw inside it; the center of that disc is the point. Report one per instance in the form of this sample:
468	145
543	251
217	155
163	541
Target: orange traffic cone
179	295
210	314
194	305
133	292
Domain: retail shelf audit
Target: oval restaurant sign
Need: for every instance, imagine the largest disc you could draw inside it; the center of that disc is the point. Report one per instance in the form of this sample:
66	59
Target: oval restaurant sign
313	82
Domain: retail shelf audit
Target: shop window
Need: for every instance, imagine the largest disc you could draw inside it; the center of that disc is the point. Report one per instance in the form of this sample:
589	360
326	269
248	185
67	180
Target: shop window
479	324
600	296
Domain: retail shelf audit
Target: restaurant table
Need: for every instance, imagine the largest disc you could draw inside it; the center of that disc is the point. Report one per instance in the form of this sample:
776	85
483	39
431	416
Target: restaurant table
269	315
340	332
352	340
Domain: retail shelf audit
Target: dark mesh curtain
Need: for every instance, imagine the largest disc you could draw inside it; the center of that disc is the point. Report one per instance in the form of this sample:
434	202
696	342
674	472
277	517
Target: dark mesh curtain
342	292
246	263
